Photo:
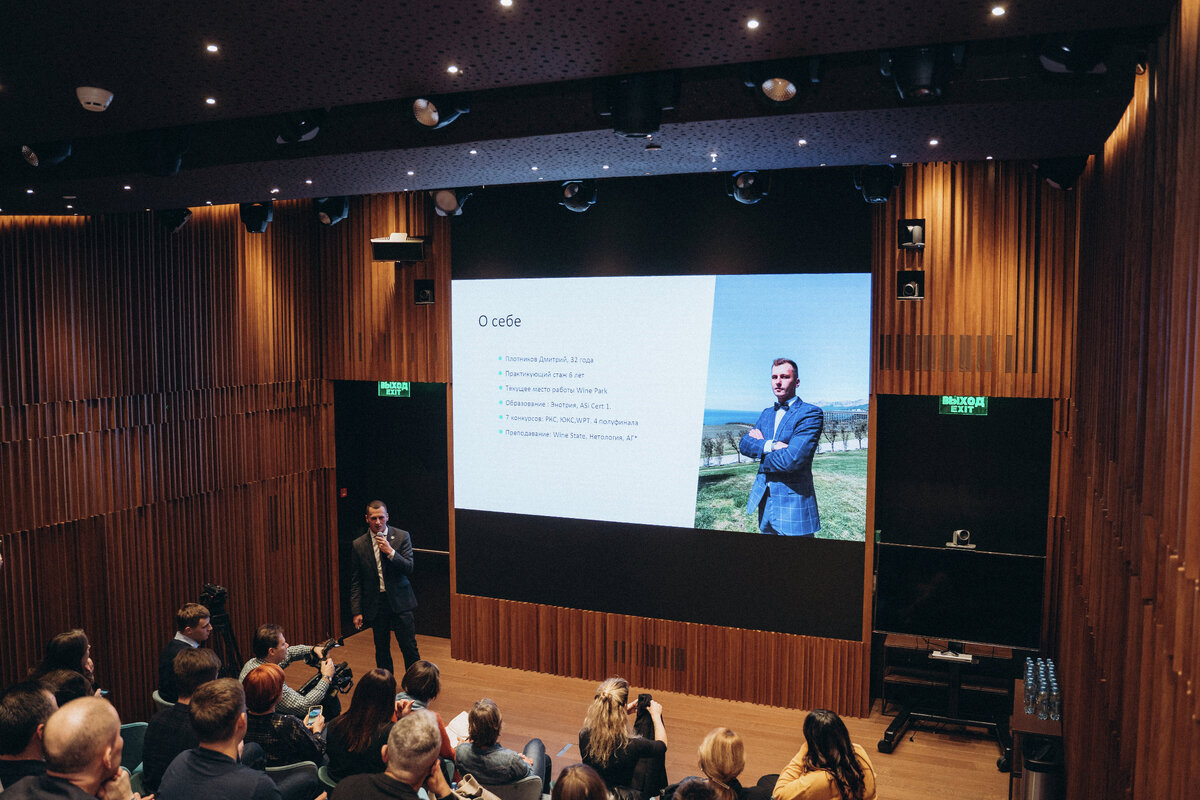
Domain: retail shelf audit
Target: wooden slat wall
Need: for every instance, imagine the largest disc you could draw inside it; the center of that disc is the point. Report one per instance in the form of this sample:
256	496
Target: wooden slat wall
373	330
1129	567
769	668
998	318
163	423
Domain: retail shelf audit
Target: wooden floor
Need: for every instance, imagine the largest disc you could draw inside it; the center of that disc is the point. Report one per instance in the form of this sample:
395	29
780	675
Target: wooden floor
946	764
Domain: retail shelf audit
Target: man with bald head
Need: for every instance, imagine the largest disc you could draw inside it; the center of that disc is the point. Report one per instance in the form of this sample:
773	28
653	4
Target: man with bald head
82	744
411	754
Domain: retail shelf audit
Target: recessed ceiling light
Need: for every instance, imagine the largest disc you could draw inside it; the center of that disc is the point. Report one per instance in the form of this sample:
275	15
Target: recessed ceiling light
604	166
70	197
308	181
128	187
893	155
997	11
212	101
822	163
473	151
29	191
208	202
933	142
801	142
534	169
714	169
410	173
453	70
751	24
275	190
506	3
989	158
70	206
212	48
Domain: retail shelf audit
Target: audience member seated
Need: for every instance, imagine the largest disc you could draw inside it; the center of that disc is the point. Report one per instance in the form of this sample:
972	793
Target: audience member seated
722	759
828	766
694	788
489	763
70	651
24	709
170	731
270	647
355	740
193	628
607	747
67	685
579	782
83	745
420	686
283	738
412	763
211	771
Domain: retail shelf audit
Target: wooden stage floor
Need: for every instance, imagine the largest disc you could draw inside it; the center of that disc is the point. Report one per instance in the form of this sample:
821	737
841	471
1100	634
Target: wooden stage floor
946	764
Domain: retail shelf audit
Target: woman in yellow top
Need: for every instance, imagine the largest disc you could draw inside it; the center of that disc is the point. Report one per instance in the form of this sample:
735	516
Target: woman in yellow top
828	766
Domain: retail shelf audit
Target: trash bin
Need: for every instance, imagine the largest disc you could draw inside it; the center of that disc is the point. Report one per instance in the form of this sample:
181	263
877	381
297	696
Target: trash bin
1043	760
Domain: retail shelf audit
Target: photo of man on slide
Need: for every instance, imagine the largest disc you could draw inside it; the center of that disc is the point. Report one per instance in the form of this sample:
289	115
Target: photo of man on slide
784	441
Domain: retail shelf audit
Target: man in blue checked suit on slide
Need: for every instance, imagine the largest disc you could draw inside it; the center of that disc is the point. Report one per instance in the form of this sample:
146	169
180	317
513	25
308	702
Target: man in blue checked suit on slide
784	440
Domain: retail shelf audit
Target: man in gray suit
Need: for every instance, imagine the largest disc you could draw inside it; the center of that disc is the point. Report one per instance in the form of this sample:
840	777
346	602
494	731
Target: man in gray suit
380	593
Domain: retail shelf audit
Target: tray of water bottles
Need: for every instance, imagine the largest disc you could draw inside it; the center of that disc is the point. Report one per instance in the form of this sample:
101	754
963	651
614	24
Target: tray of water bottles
1042	696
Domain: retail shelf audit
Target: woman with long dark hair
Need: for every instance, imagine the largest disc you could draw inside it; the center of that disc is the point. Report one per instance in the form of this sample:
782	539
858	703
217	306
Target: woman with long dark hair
355	739
828	766
605	743
68	651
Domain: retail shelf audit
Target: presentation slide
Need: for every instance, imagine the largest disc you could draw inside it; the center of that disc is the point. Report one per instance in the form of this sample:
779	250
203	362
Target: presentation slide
637	399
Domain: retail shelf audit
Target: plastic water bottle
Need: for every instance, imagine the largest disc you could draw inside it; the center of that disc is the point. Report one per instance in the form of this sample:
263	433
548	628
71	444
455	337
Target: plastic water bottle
1043	700
1055	702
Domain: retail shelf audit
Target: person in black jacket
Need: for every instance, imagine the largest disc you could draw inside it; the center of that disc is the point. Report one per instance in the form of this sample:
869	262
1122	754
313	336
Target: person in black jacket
380	592
194	625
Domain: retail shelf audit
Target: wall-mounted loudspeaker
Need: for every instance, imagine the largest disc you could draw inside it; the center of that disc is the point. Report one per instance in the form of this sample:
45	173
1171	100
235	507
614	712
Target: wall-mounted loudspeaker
910	284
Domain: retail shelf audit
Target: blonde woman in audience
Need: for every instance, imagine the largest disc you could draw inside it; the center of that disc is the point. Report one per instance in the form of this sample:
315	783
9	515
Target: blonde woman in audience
722	759
607	747
828	766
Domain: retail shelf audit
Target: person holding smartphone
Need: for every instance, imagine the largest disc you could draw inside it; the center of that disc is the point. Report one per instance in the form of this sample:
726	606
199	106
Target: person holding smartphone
380	592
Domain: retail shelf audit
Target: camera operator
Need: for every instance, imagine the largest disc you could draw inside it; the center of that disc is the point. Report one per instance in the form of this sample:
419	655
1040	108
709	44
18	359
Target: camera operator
270	647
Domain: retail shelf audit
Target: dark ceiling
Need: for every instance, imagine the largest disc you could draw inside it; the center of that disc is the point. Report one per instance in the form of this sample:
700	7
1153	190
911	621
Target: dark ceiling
531	70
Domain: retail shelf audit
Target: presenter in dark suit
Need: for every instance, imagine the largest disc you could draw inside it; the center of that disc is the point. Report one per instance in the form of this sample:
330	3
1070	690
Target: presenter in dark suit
380	593
784	441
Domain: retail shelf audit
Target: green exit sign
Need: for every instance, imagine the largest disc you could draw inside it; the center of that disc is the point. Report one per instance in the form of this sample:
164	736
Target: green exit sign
395	389
968	406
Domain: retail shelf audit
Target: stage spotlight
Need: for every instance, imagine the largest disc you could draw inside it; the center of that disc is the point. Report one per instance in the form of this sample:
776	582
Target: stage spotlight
1061	173
920	73
1079	53
257	216
449	202
163	151
578	196
876	181
636	102
173	219
299	126
747	186
438	112
779	85
331	210
46	154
